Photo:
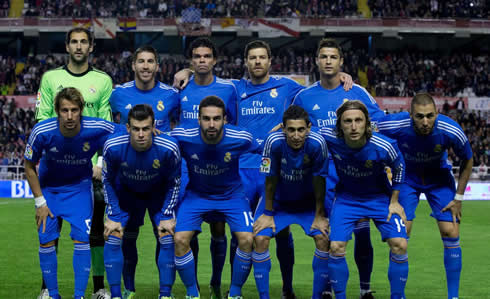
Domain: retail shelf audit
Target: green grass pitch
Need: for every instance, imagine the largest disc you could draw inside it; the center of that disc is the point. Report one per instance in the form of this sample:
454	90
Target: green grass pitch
20	275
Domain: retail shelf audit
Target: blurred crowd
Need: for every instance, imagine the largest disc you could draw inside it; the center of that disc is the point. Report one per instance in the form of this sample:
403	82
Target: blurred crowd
247	8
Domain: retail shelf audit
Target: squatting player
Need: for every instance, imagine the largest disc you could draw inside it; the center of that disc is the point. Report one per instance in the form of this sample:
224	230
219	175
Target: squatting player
141	172
96	88
424	136
164	100
321	101
295	163
65	145
364	191
212	151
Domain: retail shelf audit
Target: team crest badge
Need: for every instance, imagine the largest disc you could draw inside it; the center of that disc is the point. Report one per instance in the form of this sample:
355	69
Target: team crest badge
86	147
345	100
160	106
265	166
274	93
28	151
306	159
437	148
227	157
156	164
368	164
92	89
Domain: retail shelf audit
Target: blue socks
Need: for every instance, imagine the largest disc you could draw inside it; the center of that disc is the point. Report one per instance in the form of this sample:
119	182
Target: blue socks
49	268
398	274
113	261
339	274
363	254
218	258
262	267
186	267
130	253
241	270
453	264
81	267
166	265
285	255
321	281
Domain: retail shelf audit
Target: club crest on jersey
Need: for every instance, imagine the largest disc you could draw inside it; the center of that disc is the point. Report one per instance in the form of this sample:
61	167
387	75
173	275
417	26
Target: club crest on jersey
227	157
28	151
156	164
265	166
86	147
345	100
160	106
92	89
437	148
306	159
368	164
274	93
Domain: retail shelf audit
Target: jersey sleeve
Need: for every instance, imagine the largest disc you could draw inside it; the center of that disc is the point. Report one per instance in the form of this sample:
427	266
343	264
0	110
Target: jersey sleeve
294	89
271	156
459	142
173	183
389	125
320	156
397	165
45	99
232	107
104	110
113	101
109	172
34	148
375	113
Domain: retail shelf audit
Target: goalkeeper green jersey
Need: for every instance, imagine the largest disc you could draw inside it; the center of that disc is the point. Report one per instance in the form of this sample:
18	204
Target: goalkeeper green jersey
95	86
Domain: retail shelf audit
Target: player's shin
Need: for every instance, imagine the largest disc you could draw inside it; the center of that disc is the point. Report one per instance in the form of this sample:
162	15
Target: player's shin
262	267
166	265
186	268
453	265
338	273
398	274
241	269
81	267
49	268
321	280
113	261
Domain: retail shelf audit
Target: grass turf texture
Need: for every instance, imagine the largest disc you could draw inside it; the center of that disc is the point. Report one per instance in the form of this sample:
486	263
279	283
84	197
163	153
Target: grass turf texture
20	275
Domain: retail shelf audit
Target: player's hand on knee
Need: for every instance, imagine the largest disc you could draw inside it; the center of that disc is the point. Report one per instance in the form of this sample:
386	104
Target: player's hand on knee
396	208
42	214
181	78
167	226
112	226
455	206
347	80
97	172
264	222
321	223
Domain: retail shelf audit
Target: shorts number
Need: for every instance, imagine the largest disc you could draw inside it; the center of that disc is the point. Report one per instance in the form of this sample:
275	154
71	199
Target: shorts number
87	223
249	220
399	224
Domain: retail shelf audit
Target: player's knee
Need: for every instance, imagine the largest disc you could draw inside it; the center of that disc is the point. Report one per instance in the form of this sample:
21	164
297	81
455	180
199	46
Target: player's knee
262	243
448	230
182	242
48	244
337	247
245	241
321	242
398	245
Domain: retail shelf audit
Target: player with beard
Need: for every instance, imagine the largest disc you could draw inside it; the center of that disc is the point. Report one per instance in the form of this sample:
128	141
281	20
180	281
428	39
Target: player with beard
424	137
96	88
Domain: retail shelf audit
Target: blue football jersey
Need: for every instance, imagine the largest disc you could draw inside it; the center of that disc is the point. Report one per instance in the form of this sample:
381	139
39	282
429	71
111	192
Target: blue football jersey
321	104
426	156
162	98
213	168
66	160
155	171
362	171
192	95
260	108
294	168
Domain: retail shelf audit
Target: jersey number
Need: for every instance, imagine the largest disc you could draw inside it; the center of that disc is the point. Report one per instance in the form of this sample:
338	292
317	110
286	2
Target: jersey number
399	224
87	223
249	220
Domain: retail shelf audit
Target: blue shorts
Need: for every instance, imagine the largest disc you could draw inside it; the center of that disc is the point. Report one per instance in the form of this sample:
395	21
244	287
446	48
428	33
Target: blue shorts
284	218
133	208
347	211
438	198
73	204
253	185
193	209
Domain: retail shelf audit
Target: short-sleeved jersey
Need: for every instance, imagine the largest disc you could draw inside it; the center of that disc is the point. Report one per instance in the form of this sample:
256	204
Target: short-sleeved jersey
362	171
213	168
162	98
154	171
95	86
260	108
66	160
192	95
321	104
294	168
426	156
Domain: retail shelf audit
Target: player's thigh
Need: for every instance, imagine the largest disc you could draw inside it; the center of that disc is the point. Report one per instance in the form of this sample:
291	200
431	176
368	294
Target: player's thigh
80	218
191	211
253	185
438	198
394	228
343	219
237	213
409	200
